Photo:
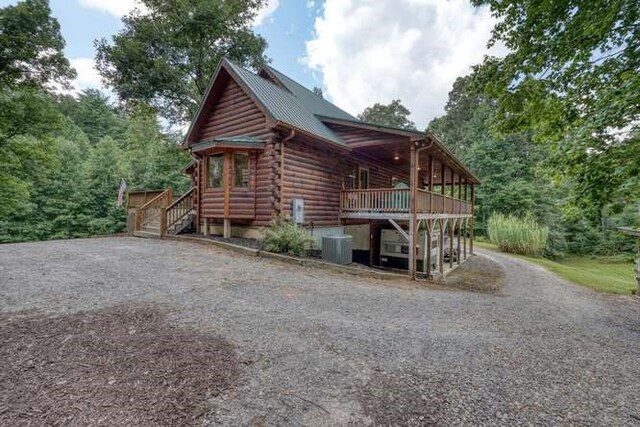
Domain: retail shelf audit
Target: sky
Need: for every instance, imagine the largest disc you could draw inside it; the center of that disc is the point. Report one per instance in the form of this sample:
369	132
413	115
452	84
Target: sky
358	51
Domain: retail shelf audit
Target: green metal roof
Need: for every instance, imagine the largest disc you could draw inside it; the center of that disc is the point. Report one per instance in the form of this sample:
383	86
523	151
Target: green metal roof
282	105
233	141
315	103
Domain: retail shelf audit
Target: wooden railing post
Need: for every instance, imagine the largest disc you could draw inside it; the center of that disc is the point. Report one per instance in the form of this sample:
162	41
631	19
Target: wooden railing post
136	224
163	221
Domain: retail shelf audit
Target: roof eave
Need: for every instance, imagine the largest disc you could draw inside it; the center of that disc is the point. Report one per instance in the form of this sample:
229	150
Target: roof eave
238	79
449	154
187	137
313	135
414	135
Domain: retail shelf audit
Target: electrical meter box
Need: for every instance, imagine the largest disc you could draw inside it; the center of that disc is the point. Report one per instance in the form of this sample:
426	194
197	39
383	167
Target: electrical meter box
298	211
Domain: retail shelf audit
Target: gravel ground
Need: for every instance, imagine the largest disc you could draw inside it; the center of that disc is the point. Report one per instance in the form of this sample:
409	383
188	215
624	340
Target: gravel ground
323	348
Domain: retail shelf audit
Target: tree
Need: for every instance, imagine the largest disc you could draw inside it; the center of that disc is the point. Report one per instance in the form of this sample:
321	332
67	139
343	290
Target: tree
166	57
93	113
393	114
571	78
31	46
508	166
153	160
31	62
318	91
102	178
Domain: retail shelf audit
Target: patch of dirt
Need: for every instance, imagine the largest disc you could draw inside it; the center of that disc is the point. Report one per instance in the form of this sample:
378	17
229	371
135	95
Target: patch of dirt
478	274
117	366
402	399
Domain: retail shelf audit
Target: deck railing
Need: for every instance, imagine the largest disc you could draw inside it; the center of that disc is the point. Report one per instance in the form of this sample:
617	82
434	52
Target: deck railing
436	203
375	200
154	212
397	200
180	208
135	199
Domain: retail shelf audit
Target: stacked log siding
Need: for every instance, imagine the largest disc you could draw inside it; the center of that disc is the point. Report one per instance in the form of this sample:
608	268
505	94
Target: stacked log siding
235	113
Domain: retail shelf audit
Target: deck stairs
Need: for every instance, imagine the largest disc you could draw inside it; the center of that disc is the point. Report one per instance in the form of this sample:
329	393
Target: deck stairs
152	227
165	214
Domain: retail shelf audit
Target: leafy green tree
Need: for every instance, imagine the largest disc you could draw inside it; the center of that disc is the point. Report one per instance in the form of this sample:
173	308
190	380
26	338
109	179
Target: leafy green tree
154	160
508	166
571	78
93	113
31	46
167	56
393	114
30	63
102	179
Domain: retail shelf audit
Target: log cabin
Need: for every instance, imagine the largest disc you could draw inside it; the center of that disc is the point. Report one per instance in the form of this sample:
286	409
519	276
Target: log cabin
263	147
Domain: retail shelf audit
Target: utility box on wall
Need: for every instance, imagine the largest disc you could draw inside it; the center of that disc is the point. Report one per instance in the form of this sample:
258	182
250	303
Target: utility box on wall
298	211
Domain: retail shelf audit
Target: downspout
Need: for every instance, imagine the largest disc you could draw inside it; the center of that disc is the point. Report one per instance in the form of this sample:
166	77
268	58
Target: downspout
282	143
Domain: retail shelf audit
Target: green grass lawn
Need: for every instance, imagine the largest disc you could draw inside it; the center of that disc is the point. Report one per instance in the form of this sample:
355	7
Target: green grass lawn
600	273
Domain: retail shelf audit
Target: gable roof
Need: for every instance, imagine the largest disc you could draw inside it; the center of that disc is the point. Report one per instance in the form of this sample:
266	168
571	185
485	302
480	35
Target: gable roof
290	104
282	105
315	103
278	104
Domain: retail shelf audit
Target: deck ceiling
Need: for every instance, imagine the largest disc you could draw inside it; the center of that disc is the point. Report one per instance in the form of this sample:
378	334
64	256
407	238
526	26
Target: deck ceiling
398	154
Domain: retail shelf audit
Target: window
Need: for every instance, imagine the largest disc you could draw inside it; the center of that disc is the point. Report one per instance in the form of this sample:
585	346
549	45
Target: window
241	170
363	178
216	171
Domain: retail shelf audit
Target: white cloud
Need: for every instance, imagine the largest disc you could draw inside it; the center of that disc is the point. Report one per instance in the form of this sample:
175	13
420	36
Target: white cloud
88	77
117	8
408	49
265	12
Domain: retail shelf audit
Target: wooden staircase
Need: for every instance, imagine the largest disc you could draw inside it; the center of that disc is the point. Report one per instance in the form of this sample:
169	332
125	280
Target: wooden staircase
163	215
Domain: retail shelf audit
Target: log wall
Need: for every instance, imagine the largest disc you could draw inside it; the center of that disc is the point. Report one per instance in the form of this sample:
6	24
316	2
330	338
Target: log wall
317	173
234	113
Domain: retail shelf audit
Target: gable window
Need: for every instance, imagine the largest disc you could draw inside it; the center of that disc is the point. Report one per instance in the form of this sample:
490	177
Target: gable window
215	177
363	178
241	170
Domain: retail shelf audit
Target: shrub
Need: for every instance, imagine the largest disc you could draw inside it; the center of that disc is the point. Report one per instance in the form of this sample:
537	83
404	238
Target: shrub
517	235
286	237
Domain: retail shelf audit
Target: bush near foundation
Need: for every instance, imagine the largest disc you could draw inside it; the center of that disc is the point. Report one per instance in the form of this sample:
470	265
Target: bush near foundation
517	235
286	237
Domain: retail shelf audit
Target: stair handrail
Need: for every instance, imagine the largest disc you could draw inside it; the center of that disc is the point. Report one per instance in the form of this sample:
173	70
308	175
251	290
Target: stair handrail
153	203
172	213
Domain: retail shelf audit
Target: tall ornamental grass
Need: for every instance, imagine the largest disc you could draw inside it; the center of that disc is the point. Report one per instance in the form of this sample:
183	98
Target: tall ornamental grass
517	235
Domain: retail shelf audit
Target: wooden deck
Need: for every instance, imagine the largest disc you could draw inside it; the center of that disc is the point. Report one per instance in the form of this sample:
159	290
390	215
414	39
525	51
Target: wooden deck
394	203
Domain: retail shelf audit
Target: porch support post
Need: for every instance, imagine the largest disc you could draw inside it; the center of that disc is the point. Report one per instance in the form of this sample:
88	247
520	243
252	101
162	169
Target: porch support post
226	229
452	224
205	231
453	184
473	197
465	190
459	222
427	249
443	171
459	195
466	229
441	245
413	178
431	165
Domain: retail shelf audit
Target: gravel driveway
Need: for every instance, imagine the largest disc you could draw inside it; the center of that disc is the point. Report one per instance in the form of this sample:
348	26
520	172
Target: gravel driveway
323	348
